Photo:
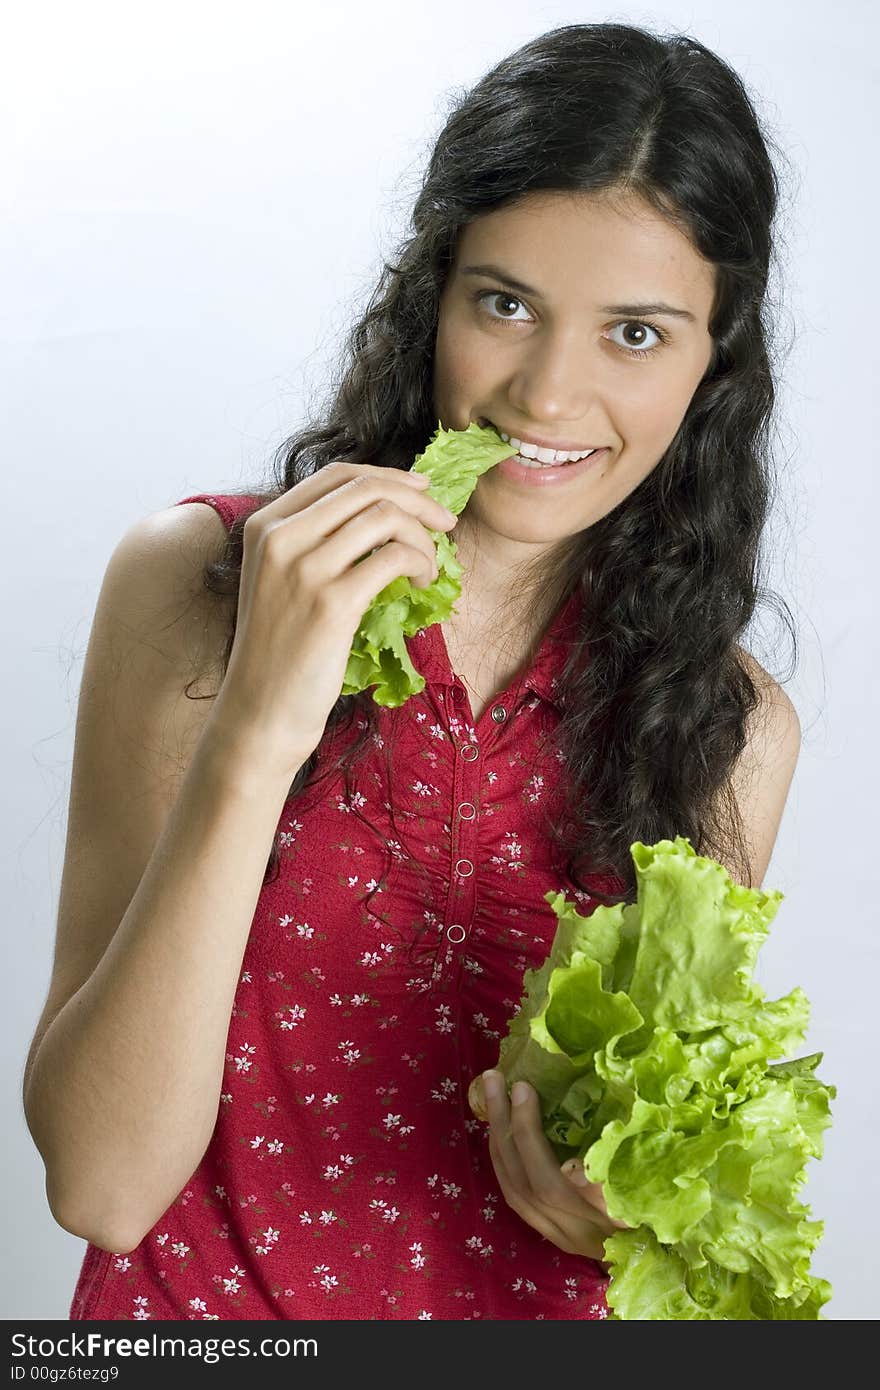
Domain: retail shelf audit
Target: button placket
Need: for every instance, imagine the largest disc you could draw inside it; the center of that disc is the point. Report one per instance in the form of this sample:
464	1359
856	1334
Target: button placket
462	886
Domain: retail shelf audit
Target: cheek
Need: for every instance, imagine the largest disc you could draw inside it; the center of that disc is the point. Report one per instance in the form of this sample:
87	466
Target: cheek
459	363
650	418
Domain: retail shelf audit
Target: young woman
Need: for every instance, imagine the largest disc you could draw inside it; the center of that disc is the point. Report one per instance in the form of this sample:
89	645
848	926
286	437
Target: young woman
249	1082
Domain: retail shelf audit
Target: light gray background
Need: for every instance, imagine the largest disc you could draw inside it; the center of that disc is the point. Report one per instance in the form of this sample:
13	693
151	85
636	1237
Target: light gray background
197	199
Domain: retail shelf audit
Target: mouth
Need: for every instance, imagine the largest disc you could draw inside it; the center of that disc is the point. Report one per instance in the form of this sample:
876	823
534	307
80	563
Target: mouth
535	456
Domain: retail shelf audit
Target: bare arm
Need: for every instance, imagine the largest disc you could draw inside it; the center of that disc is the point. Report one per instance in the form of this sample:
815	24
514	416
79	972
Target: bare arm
124	1077
123	1093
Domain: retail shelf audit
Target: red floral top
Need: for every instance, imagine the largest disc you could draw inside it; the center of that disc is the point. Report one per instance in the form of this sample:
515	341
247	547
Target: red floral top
346	1176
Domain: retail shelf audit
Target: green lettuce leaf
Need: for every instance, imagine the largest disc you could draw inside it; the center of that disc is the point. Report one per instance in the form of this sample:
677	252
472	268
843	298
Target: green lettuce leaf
654	1283
653	1052
454	461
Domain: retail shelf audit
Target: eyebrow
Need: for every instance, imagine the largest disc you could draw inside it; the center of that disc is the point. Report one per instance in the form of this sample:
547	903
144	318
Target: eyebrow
495	272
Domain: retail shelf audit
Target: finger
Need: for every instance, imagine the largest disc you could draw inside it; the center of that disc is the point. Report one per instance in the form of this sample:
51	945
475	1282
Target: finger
534	1216
334	476
542	1170
501	1142
592	1192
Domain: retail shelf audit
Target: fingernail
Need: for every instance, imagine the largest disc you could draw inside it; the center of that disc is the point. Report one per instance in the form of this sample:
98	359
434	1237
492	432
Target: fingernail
491	1084
452	516
520	1092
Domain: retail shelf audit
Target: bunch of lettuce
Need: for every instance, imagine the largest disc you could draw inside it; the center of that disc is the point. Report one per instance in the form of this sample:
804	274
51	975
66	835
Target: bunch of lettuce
651	1049
454	461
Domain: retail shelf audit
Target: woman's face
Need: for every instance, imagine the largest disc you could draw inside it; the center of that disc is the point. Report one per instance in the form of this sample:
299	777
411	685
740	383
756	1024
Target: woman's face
550	365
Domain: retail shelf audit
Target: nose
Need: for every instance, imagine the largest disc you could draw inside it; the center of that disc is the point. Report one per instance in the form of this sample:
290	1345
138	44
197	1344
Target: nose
552	386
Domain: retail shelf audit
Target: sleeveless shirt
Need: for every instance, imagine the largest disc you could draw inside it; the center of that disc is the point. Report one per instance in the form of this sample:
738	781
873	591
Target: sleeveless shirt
346	1176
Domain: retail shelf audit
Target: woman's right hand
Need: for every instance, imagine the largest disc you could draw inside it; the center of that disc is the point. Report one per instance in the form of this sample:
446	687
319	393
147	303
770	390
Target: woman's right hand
302	597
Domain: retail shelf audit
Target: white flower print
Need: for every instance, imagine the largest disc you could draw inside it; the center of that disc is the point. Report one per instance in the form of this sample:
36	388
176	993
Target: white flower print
447	1091
297	1014
444	1023
244	1063
535	787
475	1243
270	1238
423	789
513	850
526	1284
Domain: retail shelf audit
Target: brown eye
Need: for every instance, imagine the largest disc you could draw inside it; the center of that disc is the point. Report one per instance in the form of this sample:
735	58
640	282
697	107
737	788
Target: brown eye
640	329
495	297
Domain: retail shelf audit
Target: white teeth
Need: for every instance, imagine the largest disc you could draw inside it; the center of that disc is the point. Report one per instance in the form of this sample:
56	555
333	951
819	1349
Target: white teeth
541	456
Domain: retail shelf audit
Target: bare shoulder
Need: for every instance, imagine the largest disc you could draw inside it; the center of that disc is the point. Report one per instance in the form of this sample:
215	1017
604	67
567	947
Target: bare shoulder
156	578
763	774
776	718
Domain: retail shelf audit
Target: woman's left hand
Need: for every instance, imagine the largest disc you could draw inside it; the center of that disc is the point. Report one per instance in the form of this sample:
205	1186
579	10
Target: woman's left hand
559	1202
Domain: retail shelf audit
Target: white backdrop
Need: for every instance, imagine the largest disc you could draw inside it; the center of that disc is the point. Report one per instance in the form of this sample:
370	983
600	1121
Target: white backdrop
196	200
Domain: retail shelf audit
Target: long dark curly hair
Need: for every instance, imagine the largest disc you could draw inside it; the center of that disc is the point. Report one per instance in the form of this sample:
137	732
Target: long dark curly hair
654	721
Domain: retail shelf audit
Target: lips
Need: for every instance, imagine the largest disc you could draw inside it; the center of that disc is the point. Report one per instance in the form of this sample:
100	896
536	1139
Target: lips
554	448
